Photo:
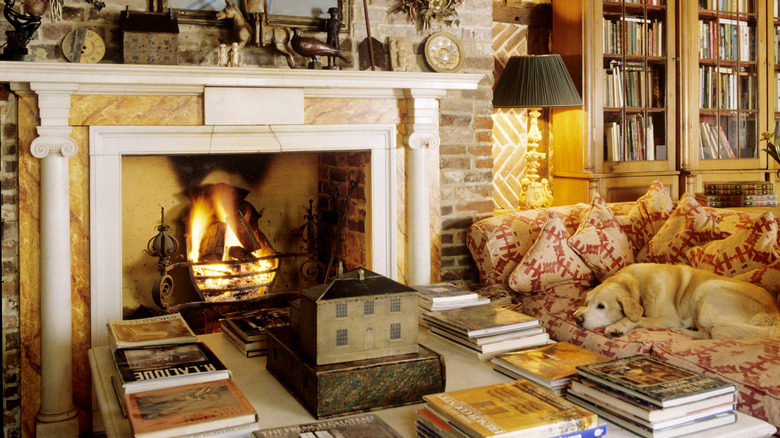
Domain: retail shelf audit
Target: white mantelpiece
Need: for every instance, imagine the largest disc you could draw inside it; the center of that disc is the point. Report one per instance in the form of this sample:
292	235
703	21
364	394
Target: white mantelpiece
54	83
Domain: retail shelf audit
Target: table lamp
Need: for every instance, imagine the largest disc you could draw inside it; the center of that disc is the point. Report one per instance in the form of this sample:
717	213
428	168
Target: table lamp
535	82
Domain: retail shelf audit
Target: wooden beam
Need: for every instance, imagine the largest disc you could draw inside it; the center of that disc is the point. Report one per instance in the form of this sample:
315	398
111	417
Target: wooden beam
530	13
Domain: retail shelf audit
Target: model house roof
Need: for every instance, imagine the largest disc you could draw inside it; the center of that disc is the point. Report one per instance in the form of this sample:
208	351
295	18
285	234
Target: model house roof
355	284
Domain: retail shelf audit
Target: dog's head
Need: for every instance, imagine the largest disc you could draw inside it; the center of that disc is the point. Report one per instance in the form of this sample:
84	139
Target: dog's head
607	304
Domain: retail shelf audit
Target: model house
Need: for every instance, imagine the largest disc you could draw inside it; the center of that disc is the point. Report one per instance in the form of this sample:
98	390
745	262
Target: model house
361	315
90	152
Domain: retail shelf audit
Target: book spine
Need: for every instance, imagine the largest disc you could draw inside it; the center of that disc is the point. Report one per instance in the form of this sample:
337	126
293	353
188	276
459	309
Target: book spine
593	432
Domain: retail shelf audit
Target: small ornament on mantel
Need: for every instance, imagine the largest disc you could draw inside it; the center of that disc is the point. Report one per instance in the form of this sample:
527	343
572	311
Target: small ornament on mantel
422	12
401	54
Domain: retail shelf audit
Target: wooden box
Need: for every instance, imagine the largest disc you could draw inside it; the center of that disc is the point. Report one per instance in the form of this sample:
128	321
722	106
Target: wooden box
345	388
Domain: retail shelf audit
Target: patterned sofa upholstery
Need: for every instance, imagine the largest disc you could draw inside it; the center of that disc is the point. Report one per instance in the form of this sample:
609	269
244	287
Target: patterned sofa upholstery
550	257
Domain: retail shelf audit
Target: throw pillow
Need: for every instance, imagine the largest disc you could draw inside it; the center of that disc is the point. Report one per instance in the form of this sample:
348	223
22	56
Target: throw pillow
549	262
601	242
745	250
647	216
767	277
688	226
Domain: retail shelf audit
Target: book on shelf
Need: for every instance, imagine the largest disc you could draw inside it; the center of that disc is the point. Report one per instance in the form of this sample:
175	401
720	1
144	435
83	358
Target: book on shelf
511	409
164	366
656	382
736	200
482	320
441	296
155	330
551	366
205	407
645	414
486	352
738	188
670	432
360	426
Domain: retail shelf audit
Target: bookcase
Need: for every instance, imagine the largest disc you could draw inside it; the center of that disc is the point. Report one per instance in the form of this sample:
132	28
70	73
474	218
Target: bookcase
676	91
623	54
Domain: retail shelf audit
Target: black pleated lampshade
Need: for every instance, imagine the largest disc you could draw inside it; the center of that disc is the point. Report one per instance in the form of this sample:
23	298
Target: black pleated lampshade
535	81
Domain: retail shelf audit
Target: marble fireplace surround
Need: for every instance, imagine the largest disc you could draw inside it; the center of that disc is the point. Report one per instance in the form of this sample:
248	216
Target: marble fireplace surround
284	130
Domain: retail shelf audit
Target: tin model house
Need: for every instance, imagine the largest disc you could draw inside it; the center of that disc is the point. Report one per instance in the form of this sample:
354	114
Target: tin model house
361	315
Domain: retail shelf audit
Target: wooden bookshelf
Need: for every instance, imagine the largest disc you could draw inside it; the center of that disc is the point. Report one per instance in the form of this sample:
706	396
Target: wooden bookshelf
676	91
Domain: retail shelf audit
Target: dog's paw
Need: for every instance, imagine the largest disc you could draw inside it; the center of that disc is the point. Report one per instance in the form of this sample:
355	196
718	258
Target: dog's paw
614	330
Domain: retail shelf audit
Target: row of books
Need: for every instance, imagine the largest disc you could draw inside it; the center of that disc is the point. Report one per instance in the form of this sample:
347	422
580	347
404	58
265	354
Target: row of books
627	84
736	200
724	88
738	188
481	332
169	384
636	144
713	142
727	5
247	330
652	398
726	39
642	37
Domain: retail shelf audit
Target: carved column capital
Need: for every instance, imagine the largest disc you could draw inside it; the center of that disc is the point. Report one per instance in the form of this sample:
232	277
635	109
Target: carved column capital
422	108
54	140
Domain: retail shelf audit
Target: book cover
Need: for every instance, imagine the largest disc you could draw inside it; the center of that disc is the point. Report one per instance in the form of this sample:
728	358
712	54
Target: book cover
510	409
482	320
482	340
520	341
188	409
361	426
164	366
654	381
250	326
248	348
486	352
443	292
552	365
156	330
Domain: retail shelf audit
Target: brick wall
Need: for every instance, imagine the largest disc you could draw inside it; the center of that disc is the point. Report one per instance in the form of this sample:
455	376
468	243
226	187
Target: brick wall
10	265
465	166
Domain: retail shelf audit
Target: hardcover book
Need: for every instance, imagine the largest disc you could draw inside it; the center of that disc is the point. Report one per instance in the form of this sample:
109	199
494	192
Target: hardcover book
510	409
156	330
441	296
164	366
488	351
482	320
248	348
552	365
654	381
361	426
250	326
188	409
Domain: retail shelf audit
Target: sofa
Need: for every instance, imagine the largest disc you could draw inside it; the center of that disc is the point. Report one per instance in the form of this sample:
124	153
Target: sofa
549	258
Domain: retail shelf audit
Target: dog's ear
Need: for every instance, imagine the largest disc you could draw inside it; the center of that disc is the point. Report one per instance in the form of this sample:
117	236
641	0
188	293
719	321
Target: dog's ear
632	308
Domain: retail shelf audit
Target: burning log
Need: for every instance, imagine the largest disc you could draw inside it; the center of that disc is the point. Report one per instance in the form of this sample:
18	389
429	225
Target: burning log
212	245
243	232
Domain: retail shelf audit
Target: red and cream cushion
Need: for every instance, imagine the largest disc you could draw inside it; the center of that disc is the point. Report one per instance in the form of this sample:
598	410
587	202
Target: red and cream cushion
601	242
549	262
688	226
767	277
743	251
647	215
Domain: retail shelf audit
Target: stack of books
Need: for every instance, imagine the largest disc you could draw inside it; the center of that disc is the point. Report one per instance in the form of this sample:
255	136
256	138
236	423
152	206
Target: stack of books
442	296
169	384
738	194
485	330
652	398
511	409
247	330
551	366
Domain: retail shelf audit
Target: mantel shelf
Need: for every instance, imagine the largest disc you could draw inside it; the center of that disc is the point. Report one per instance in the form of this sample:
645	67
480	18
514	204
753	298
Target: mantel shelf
176	79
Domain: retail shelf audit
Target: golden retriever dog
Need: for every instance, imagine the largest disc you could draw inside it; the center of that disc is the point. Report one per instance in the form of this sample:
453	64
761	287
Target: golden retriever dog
693	301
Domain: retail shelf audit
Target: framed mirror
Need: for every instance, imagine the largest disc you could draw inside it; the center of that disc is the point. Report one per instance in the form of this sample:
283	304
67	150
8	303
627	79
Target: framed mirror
305	14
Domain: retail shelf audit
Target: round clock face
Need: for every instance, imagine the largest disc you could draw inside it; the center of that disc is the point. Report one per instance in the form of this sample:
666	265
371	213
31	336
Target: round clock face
443	52
84	46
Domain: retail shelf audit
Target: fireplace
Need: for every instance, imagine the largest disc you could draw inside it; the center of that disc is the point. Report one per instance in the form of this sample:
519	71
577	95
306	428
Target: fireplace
330	109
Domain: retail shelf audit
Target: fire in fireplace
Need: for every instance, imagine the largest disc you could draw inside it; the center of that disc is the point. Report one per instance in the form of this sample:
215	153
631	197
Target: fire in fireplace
229	257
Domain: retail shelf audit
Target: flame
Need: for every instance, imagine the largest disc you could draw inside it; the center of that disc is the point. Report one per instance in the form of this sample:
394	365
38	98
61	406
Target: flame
201	213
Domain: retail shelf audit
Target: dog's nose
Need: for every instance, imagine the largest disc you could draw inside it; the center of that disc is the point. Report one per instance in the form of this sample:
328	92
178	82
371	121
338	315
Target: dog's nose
578	318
